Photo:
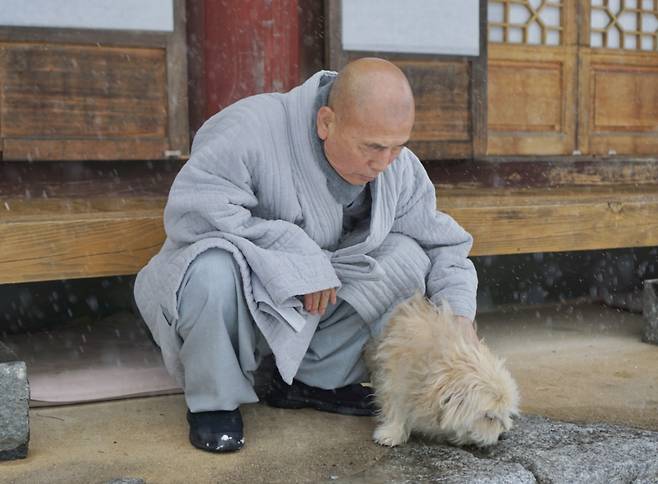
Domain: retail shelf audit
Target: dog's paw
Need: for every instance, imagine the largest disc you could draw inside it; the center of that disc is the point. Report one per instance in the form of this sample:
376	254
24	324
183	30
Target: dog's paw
390	435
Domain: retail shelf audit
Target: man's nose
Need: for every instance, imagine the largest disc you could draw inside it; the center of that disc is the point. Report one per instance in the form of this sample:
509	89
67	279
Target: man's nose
382	160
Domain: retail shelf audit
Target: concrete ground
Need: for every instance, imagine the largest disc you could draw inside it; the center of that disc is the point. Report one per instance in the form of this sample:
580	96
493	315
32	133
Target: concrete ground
581	363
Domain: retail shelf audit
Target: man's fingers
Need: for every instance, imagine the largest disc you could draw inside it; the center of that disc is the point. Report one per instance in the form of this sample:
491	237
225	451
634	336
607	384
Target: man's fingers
309	304
324	300
317	302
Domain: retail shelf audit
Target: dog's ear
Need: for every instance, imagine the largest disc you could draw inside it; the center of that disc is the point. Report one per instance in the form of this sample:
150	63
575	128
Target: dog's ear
453	399
452	406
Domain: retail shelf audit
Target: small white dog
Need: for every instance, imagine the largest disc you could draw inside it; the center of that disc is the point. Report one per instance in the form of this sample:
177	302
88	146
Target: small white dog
430	376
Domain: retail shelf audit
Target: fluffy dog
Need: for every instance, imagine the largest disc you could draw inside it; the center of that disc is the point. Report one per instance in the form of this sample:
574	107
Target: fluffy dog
430	376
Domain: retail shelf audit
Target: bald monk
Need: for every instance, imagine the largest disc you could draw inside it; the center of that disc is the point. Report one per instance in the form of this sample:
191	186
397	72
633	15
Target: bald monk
299	222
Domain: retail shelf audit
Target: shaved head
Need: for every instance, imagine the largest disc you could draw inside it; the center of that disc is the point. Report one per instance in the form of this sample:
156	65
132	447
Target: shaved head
372	87
368	119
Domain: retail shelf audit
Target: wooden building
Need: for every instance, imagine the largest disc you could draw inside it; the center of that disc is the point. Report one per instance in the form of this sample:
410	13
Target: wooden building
540	129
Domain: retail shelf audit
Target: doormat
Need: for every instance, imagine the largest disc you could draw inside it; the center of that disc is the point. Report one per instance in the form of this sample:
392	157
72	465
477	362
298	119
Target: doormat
91	361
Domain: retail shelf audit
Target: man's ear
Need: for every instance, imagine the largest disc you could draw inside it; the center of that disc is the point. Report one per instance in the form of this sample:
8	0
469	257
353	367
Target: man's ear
325	121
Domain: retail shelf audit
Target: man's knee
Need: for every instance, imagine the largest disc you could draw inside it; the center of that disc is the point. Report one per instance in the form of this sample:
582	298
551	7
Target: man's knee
211	274
209	288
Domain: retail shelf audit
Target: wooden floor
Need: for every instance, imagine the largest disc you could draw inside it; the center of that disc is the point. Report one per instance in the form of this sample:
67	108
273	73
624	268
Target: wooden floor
91	221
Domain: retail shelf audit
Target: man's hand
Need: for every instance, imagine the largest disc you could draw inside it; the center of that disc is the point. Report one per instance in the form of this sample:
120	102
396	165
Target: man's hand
471	327
316	302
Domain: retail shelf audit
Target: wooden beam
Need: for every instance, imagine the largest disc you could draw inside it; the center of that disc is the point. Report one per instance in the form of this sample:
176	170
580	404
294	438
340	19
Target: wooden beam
102	221
76	220
542	172
554	220
84	245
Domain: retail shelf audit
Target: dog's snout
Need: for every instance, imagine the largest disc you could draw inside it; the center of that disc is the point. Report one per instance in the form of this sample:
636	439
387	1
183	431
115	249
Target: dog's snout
503	436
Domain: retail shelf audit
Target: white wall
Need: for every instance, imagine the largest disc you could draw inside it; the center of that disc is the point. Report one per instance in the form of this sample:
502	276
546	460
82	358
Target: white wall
412	26
89	14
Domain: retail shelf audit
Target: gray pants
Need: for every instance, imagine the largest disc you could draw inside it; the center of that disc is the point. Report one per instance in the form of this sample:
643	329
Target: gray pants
222	346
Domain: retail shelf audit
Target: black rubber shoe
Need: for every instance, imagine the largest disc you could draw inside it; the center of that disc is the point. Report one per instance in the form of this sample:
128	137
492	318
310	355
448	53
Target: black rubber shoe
219	431
348	400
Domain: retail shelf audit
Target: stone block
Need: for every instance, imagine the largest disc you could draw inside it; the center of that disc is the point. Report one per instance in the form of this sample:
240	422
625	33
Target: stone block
14	407
650	311
537	449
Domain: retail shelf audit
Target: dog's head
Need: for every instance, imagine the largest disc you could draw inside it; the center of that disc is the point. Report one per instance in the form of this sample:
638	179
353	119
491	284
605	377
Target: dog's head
477	400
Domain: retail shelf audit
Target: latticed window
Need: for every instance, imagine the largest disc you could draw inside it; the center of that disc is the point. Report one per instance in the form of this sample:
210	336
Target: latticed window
534	22
625	24
573	77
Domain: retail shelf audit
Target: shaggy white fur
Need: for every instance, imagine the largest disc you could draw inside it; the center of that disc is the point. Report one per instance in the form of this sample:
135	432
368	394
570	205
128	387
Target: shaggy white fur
431	377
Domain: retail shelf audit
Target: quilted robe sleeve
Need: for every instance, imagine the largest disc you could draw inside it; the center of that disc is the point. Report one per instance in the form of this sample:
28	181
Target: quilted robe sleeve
452	277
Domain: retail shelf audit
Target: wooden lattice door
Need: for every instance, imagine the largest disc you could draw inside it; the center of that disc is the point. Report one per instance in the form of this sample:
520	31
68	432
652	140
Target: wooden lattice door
573	77
531	77
618	78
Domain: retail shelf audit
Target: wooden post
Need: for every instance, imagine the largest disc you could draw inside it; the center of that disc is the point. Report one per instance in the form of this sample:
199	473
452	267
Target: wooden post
240	48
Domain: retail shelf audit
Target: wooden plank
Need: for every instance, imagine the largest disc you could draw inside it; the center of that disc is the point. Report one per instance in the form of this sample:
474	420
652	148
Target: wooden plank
44	239
504	222
79	149
525	96
82	229
442	99
546	172
77	85
619	94
445	150
531	100
84	92
106	38
74	180
75	247
74	219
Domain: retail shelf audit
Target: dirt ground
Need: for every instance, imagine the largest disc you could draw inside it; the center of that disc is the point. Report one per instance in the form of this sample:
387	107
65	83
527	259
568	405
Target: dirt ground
582	363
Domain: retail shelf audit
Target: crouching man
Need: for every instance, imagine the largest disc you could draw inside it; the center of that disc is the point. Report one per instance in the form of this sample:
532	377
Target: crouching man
298	223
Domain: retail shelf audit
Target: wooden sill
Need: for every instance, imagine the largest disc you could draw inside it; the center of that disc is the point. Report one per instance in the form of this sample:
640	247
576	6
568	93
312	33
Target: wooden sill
516	221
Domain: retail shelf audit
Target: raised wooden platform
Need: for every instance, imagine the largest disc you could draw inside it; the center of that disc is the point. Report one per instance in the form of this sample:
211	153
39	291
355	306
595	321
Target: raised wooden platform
75	220
504	221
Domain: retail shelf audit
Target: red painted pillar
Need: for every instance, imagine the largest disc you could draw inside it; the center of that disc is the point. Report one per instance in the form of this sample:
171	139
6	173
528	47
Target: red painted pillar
237	48
249	46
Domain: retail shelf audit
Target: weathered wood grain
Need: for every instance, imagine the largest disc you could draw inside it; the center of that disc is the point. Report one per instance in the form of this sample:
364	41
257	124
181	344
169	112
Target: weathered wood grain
546	172
129	148
619	101
555	220
90	245
68	94
72	219
531	100
43	239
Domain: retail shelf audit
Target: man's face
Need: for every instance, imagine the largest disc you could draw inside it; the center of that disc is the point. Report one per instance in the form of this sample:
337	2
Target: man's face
358	150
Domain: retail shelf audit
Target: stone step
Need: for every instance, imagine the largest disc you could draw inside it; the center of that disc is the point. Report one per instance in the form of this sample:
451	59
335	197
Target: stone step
14	407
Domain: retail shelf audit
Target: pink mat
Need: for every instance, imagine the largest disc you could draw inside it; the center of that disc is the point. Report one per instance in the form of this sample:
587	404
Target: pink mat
101	360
